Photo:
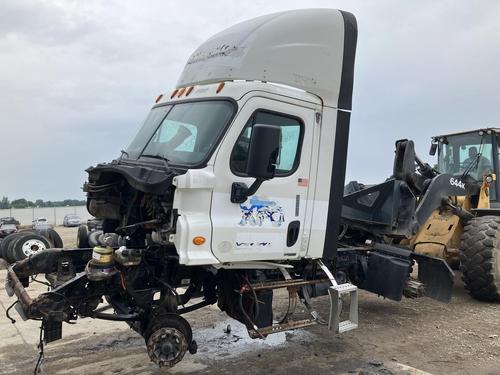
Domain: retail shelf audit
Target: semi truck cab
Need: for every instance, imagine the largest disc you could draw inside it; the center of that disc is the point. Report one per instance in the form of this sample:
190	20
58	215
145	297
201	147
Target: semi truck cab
212	129
264	104
232	188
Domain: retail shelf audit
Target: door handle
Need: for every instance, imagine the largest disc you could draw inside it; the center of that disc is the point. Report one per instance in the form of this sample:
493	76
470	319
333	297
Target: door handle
292	233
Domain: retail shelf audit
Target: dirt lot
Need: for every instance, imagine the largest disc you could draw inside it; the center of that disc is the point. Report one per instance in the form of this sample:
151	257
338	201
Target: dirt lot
462	337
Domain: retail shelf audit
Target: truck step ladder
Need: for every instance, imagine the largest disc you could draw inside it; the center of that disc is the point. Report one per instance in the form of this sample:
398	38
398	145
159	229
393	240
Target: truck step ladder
338	295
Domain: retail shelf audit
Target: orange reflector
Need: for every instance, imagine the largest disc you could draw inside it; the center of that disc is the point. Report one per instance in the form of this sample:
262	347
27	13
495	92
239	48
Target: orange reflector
173	93
181	91
159	98
189	90
220	87
199	240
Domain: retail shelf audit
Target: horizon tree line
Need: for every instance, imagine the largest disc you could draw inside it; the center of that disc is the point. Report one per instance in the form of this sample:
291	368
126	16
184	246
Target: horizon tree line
5	203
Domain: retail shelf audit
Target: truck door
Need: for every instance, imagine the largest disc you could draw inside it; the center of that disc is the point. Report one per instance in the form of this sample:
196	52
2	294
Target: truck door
273	223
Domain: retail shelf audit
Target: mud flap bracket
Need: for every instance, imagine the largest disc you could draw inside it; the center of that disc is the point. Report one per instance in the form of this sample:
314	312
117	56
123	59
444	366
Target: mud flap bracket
52	330
390	266
436	275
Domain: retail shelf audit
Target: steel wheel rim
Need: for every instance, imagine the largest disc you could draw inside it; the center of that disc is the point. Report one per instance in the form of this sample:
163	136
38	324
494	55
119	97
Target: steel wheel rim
32	246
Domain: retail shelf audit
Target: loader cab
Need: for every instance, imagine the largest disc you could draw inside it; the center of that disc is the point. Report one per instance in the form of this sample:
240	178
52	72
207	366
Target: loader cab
472	154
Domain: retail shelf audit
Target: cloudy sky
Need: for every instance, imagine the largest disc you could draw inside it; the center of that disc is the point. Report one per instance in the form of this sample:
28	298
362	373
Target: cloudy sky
78	77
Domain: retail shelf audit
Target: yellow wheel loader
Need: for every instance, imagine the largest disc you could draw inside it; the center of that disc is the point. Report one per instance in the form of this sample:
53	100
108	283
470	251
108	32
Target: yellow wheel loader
474	243
449	212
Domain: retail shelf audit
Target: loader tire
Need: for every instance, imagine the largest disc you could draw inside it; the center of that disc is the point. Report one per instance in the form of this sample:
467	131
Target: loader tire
82	238
480	258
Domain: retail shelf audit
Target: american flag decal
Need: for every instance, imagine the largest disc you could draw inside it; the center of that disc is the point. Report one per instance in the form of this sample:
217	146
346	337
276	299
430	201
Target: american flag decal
303	182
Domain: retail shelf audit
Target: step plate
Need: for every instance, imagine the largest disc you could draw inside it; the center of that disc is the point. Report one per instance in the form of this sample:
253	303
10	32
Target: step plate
336	293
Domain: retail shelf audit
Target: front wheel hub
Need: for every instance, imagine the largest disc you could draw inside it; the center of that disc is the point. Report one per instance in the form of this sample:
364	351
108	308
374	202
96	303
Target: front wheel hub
168	336
167	346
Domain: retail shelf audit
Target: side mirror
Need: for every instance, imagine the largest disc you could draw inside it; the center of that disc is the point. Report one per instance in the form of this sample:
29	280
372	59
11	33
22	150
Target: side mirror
433	149
263	151
261	162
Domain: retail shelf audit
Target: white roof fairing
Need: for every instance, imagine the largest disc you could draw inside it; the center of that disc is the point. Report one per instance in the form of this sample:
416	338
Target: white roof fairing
300	48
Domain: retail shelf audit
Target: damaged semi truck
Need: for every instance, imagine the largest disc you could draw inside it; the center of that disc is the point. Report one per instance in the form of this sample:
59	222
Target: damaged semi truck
233	188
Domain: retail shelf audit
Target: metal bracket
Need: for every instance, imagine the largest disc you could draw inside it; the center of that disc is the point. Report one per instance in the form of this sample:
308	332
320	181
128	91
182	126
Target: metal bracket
8	288
336	293
52	330
20	311
327	272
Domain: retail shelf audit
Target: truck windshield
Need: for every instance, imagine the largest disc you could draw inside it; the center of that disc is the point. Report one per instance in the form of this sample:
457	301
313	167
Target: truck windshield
466	152
184	133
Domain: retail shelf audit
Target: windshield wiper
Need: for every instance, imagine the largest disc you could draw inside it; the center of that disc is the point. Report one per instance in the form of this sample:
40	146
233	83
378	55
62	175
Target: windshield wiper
123	152
471	166
164	159
474	162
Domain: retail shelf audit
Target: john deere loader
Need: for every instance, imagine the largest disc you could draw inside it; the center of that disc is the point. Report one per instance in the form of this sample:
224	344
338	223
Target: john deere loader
464	229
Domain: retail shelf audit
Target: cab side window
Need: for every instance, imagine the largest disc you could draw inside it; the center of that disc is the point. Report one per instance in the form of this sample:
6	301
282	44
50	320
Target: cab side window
289	152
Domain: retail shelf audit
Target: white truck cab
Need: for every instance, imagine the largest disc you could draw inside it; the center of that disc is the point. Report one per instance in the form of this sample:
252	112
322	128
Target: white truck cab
233	188
293	71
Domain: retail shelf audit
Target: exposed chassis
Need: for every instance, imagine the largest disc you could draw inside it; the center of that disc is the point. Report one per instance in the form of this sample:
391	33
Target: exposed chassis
381	269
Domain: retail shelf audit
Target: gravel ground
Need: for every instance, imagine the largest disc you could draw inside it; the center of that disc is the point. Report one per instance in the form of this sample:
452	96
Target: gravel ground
411	337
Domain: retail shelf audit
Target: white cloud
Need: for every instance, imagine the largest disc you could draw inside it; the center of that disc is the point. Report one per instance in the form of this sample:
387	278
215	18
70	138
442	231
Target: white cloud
77	77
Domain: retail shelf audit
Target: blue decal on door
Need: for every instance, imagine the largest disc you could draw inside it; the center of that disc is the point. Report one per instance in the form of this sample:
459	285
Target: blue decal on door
258	212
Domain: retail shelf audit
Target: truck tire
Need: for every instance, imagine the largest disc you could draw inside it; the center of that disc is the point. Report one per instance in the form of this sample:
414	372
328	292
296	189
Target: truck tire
53	237
56	239
5	249
480	258
1	248
25	245
100	239
82	237
93	238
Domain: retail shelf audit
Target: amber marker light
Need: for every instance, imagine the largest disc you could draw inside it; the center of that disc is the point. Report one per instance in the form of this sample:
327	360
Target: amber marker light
189	90
181	91
173	93
159	98
220	87
199	240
